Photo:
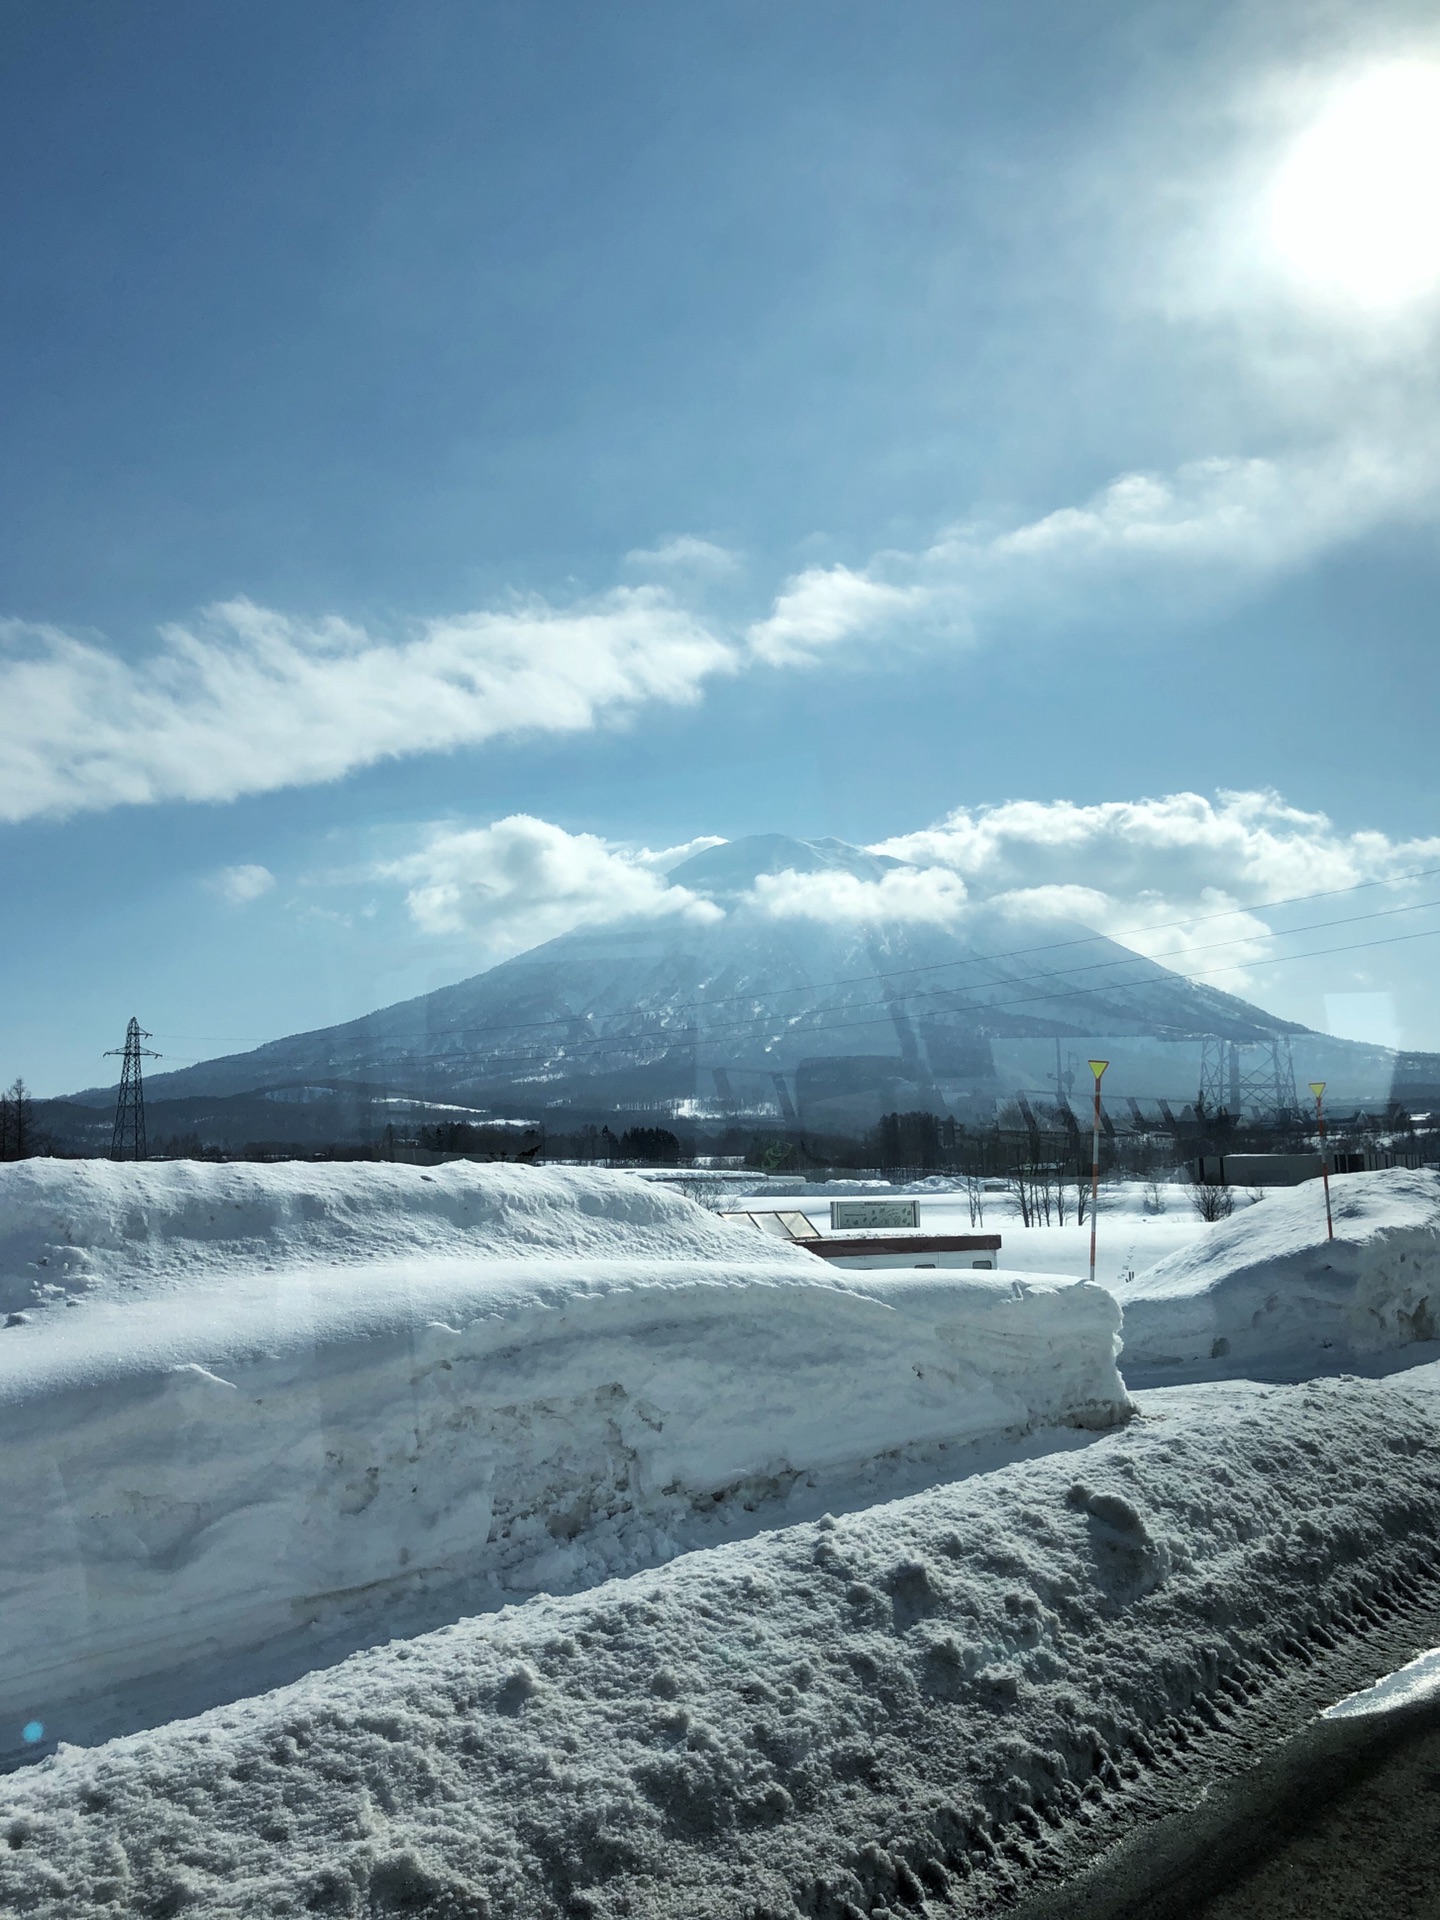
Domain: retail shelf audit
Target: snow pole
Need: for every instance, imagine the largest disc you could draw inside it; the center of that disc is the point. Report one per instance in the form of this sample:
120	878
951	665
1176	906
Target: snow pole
1317	1087
1097	1067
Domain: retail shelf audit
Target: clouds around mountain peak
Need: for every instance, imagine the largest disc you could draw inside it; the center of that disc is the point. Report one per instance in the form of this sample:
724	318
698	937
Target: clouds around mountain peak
1182	878
521	881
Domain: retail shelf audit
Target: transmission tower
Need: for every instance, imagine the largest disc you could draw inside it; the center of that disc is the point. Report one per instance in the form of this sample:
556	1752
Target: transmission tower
1215	1056
1257	1077
128	1140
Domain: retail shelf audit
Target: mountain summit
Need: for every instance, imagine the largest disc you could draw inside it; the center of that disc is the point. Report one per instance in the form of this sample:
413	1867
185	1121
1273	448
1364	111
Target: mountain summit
734	866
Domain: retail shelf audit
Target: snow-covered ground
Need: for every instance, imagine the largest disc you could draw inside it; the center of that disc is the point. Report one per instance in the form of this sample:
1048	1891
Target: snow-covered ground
246	1411
1267	1291
236	1401
1263	1293
837	1719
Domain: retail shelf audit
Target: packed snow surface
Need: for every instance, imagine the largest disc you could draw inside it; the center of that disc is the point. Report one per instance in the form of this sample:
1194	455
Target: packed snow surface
836	1719
234	1400
1267	1291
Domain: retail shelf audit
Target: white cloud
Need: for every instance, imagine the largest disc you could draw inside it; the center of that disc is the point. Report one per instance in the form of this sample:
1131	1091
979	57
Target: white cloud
1251	516
521	881
1255	845
1130	868
935	895
686	553
666	858
1187	880
825	605
1210	529
249	700
240	885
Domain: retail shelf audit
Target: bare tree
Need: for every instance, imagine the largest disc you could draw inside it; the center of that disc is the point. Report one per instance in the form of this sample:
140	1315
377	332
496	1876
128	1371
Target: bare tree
17	1130
1020	1187
1212	1201
710	1194
975	1195
1044	1178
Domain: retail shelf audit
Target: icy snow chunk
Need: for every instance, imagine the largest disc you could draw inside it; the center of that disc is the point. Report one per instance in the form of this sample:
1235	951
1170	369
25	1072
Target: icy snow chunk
1417	1680
291	1394
1266	1290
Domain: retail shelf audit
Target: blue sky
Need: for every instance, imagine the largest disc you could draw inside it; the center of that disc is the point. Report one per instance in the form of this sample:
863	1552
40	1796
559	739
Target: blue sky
456	454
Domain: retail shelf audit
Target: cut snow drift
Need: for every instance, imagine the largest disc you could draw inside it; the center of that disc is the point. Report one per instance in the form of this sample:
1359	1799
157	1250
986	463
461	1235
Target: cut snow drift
1266	1291
835	1719
236	1399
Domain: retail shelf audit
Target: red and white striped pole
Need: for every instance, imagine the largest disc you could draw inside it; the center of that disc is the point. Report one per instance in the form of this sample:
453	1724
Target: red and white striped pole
1097	1067
1317	1087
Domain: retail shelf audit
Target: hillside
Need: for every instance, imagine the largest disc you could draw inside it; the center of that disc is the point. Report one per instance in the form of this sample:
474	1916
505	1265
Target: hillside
768	1012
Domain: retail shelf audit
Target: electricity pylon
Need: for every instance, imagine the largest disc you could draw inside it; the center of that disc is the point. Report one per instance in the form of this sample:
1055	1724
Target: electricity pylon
128	1140
1231	1077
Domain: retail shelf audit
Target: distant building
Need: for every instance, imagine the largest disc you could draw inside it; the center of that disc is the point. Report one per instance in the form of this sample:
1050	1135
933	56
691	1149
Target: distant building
1290	1169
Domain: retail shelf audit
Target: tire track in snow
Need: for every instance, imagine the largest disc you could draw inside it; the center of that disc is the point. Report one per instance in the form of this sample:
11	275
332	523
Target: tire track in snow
1226	1741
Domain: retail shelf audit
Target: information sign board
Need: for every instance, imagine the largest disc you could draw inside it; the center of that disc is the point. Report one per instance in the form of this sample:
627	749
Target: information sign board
855	1216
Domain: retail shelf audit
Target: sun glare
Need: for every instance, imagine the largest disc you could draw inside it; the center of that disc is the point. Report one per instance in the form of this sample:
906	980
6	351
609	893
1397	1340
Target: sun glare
1355	210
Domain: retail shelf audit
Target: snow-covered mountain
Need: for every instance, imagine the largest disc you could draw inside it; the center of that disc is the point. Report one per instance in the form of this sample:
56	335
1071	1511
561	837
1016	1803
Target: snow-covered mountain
794	995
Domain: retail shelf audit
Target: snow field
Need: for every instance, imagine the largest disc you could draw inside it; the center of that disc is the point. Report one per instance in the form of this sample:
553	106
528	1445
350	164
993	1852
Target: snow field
1267	1291
834	1719
212	1434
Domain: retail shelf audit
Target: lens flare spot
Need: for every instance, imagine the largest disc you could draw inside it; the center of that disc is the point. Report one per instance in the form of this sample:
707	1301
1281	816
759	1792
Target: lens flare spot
1355	209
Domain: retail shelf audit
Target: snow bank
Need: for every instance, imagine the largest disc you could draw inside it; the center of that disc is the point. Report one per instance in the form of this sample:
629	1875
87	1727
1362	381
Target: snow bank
1266	1290
835	1719
90	1227
212	1431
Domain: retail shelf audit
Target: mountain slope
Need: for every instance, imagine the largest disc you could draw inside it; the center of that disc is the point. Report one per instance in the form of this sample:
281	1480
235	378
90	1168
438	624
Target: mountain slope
764	1008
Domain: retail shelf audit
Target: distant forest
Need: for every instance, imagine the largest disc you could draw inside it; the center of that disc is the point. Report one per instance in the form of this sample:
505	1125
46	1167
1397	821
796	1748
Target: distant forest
1024	1137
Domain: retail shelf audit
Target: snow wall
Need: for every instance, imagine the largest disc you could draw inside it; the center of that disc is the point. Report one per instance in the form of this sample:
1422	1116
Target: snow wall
234	1399
904	1710
1266	1290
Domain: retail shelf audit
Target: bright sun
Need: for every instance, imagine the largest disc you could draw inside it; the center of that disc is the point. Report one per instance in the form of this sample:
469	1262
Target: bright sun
1355	209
